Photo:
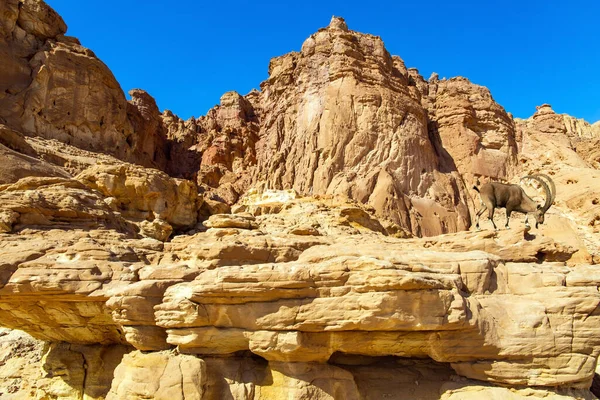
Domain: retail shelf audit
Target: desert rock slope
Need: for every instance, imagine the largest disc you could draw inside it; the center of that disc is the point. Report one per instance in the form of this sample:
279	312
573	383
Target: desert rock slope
310	240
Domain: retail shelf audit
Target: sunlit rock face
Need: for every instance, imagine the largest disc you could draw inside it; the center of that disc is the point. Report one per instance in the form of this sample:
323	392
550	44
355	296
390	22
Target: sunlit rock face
564	148
272	251
509	307
341	117
54	88
474	130
344	117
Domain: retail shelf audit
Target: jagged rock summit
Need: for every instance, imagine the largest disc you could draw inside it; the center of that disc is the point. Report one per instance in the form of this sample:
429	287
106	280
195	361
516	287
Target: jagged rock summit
308	240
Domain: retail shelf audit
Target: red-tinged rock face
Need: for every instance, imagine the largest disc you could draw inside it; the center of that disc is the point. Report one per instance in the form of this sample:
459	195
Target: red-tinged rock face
476	131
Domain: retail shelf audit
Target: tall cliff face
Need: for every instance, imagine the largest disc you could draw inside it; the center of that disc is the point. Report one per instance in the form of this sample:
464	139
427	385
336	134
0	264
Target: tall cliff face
475	131
340	117
52	87
344	117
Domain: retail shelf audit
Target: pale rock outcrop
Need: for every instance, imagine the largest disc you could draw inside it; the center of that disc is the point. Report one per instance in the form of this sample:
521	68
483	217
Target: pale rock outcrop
123	197
231	221
577	134
54	203
152	198
67	157
548	121
550	146
20	166
44	157
159	376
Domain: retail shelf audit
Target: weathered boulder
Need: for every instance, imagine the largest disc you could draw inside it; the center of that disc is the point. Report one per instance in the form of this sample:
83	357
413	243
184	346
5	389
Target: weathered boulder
152	198
159	376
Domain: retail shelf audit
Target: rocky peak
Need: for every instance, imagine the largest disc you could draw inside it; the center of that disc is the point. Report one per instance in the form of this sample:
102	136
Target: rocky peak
578	139
544	109
340	46
356	125
144	103
29	23
39	19
546	120
338	23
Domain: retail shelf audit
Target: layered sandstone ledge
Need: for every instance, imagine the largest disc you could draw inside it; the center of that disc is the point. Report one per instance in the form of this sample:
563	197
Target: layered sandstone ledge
312	287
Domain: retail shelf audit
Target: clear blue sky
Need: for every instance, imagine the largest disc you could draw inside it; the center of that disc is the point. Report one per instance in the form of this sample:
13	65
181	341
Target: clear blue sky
188	53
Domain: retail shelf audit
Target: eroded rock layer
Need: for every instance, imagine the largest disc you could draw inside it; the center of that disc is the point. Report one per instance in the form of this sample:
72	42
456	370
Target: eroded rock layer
499	307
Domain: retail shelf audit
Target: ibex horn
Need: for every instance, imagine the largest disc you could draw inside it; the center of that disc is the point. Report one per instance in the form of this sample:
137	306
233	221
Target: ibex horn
549	199
551	185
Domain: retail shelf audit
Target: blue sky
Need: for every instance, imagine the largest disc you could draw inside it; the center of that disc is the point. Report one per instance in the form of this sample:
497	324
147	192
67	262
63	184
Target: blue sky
188	53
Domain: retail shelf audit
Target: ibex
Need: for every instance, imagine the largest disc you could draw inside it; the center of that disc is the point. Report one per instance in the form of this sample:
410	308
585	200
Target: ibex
513	198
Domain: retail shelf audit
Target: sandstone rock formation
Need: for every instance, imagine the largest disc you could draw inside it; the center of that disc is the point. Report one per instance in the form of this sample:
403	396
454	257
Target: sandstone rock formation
273	250
20	159
52	87
478	134
329	305
341	117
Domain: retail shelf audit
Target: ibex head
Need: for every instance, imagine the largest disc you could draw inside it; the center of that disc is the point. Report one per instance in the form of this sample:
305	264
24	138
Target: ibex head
539	215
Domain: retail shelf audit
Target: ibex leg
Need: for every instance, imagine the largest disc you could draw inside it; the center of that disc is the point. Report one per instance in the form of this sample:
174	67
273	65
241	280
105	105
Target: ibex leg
479	215
491	217
508	212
